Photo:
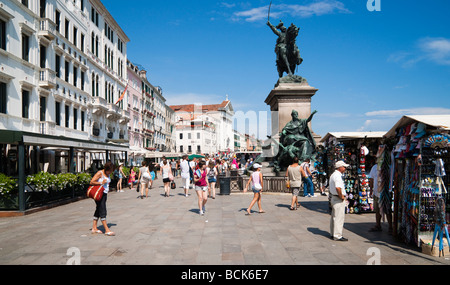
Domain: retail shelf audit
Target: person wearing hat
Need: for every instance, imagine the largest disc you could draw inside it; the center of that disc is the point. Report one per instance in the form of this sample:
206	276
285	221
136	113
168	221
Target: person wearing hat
257	185
338	196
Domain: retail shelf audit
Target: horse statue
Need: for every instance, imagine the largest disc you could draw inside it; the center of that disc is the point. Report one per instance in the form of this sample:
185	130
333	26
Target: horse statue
286	49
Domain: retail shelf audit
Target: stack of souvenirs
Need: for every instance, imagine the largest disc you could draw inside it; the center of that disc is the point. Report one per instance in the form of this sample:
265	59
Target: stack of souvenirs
355	178
421	161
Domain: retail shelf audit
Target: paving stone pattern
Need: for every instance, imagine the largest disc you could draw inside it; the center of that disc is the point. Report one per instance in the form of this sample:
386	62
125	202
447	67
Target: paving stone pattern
169	231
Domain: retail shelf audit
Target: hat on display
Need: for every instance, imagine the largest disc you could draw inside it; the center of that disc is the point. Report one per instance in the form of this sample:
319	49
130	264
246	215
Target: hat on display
420	131
341	164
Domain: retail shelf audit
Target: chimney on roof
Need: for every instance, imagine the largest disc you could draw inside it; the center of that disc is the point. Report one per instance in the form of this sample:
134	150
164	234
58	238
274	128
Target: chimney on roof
143	74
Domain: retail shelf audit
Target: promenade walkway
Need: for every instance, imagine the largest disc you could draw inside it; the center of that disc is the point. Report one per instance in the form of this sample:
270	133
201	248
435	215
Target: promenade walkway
169	231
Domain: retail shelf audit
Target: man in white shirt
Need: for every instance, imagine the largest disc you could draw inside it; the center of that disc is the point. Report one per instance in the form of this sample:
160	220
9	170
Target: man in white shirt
185	174
338	196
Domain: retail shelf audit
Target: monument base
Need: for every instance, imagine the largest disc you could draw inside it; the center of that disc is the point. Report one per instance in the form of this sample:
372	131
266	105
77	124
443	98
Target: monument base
290	93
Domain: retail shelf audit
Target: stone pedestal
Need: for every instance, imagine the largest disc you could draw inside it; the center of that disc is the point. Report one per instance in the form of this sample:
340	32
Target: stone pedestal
286	97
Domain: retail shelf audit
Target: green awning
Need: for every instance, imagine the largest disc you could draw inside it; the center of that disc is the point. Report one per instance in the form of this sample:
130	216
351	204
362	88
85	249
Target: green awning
14	137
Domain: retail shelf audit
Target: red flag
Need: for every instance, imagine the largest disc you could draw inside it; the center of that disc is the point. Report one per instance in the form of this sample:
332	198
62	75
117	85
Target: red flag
123	95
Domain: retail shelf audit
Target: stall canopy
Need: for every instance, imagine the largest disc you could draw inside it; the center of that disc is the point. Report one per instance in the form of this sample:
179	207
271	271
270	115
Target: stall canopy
440	122
168	155
353	135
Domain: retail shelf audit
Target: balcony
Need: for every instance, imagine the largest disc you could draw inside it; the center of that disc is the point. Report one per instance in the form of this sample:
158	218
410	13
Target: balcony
114	112
47	128
47	78
125	119
99	105
47	29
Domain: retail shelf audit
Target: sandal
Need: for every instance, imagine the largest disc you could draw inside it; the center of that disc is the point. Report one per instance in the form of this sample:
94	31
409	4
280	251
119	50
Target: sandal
111	234
96	232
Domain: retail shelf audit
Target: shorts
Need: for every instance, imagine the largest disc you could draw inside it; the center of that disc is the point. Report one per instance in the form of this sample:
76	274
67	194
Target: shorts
212	180
201	188
295	191
376	203
256	191
166	180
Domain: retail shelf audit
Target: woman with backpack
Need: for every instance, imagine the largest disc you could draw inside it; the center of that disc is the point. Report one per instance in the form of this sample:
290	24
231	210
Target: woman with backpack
144	179
165	173
212	179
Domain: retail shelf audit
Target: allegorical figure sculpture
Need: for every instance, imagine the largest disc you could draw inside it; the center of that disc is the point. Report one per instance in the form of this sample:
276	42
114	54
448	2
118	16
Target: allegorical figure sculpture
286	49
296	140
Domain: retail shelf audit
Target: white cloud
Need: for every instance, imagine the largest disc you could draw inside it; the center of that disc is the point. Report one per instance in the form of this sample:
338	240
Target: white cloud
316	8
436	50
411	111
193	98
384	120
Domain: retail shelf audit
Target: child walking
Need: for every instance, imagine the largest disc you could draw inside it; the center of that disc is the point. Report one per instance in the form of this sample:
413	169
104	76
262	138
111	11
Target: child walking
257	186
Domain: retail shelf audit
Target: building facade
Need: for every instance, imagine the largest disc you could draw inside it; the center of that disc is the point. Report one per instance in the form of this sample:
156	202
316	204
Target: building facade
62	70
205	129
107	59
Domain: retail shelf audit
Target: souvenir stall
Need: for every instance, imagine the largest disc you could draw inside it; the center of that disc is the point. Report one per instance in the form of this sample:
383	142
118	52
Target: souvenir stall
421	160
353	148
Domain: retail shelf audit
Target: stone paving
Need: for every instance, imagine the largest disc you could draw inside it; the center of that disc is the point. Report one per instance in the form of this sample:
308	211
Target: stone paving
169	231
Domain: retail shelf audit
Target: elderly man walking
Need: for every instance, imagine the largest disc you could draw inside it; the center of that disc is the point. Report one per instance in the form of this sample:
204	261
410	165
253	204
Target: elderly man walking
338	196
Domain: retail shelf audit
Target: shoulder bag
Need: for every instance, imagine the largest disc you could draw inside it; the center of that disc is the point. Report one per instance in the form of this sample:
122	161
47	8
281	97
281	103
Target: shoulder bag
95	192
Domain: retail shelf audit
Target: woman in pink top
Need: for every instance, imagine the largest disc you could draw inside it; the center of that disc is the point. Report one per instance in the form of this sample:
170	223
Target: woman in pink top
201	186
257	186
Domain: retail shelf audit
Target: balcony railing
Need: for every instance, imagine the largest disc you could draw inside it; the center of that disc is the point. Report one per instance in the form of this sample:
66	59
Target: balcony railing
47	29
99	104
47	78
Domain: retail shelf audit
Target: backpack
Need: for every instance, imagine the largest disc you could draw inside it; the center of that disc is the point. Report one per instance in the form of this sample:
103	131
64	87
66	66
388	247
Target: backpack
211	173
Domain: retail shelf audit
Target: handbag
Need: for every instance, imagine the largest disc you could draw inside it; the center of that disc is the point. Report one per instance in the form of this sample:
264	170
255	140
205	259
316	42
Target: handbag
170	176
288	184
95	192
173	185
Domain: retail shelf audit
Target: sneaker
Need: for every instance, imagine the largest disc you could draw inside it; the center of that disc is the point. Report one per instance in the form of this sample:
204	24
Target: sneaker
340	239
201	213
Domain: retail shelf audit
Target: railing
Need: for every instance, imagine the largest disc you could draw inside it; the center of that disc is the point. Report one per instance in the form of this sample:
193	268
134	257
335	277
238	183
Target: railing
47	128
47	78
270	184
47	28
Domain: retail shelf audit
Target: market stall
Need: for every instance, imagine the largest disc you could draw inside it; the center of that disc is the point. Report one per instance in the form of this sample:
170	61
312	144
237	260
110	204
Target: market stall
421	160
353	148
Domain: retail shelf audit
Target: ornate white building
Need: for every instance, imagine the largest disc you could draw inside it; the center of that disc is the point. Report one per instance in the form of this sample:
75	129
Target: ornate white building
62	69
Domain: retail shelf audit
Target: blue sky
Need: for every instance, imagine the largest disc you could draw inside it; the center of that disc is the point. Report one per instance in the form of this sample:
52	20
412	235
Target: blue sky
371	68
